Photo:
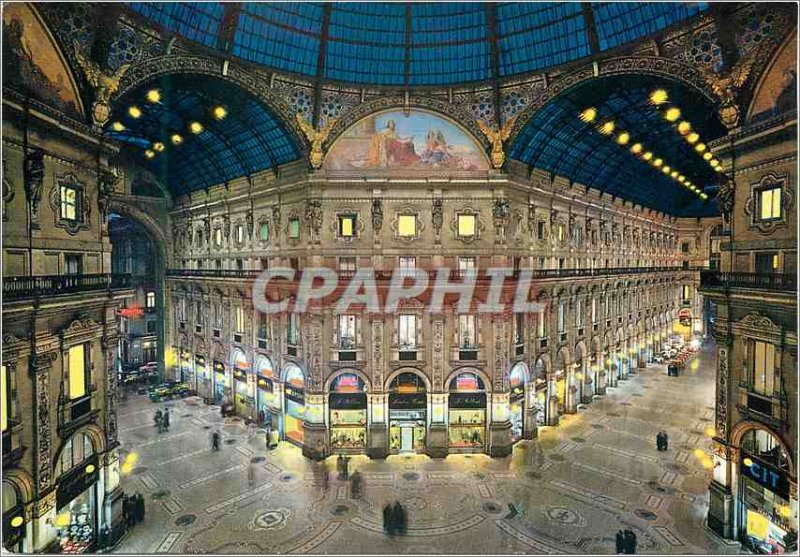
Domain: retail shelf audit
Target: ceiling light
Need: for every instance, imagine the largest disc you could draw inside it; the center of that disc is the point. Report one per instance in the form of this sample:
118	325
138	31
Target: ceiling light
700	147
682	179
196	127
176	139
134	111
665	169
623	138
684	127
692	137
149	154
674	174
659	96
707	156
607	128
714	162
703	196
718	168
220	112
636	148
672	114
117	126
153	95
589	114
647	156
658	162
158	146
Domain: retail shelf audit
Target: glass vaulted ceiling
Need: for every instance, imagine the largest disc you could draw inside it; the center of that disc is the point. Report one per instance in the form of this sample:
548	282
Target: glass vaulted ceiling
414	43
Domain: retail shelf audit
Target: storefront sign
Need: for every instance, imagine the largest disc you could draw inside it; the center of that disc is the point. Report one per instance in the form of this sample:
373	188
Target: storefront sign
347	401
239	375
77	481
765	475
295	394
265	384
403	401
467	400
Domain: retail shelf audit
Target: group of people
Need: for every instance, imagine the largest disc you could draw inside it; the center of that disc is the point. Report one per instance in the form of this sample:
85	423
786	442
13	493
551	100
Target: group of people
626	541
343	466
395	518
662	440
162	420
132	509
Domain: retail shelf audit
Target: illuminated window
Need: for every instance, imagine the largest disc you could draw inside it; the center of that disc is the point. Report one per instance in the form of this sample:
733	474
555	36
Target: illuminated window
687	292
466	226
217	237
347	226
76	361
562	312
151	299
239	324
294	228
594	310
406	263
407	226
347	331
467	331
264	232
769	202
763	368
407	332
561	231
70	203
466	263
579	313
5	397
239	234
541	324
347	264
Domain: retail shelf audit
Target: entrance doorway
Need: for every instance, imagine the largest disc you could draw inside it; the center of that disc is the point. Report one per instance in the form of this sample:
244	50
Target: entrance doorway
408	404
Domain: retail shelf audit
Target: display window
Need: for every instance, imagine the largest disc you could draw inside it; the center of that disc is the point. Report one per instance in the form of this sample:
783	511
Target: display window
202	376
75	524
242	400
347	406
408	404
467	412
186	369
265	389
220	381
516	383
294	401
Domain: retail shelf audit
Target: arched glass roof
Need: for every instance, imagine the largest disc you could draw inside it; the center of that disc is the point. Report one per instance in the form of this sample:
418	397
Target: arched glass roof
213	147
557	140
414	43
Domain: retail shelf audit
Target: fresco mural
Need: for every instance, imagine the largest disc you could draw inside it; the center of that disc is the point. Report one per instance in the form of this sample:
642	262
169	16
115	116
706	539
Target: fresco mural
778	90
31	61
418	141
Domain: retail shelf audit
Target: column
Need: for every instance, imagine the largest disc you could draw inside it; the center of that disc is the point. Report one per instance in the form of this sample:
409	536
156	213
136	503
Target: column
551	412
530	428
44	509
601	375
570	390
721	499
500	424
378	425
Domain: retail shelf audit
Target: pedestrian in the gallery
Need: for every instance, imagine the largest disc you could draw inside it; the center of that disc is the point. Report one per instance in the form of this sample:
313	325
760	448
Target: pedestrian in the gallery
659	441
630	542
165	419
157	417
215	441
399	518
620	542
664	440
355	485
139	507
388	519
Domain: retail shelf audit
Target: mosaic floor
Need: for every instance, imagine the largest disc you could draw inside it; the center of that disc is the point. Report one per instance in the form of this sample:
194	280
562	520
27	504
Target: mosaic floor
569	491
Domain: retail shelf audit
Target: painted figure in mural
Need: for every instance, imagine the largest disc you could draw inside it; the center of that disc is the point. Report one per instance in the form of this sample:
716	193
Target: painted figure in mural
386	148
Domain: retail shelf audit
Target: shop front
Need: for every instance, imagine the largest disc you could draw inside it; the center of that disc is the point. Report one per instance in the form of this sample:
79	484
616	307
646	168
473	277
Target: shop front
765	510
13	518
203	377
561	390
466	422
266	396
347	413
540	398
408	412
76	504
516	384
221	386
243	401
185	369
294	404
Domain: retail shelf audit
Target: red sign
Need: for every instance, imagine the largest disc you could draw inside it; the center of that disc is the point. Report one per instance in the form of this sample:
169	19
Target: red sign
131	313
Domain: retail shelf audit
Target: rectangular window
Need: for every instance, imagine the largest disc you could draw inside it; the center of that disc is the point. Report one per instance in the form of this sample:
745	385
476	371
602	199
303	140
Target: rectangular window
76	361
769	202
291	330
687	292
263	232
240	264
561	232
262	326
763	368
217	236
151	327
466	263
407	226
264	263
540	230
562	311
467	331
347	264
407	332
466	225
151	300
347	226
767	262
541	324
69	203
406	263
294	228
239	234
519	328
239	324
579	313
684	247
73	264
594	310
347	332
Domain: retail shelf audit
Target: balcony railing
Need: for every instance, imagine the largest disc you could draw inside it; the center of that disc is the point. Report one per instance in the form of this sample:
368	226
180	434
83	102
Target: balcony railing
53	285
765	281
540	274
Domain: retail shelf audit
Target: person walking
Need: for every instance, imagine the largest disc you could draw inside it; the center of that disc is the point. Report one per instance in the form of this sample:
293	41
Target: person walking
125	509
326	479
628	541
131	511
388	519
139	507
157	417
215	441
659	441
340	466
346	467
397	518
165	419
634	542
355	485
664	440
620	542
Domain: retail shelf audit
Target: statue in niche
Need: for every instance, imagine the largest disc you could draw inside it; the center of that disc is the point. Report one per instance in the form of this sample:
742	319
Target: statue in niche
437	215
34	181
377	215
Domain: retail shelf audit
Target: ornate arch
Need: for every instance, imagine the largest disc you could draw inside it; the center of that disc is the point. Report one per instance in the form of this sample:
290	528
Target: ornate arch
22	482
738	431
125	206
564	355
226	70
95	435
526	372
351	371
391	377
623	65
459	116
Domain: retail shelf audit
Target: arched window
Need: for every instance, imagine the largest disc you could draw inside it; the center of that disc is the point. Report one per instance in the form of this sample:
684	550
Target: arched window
76	451
760	443
10	497
293	375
